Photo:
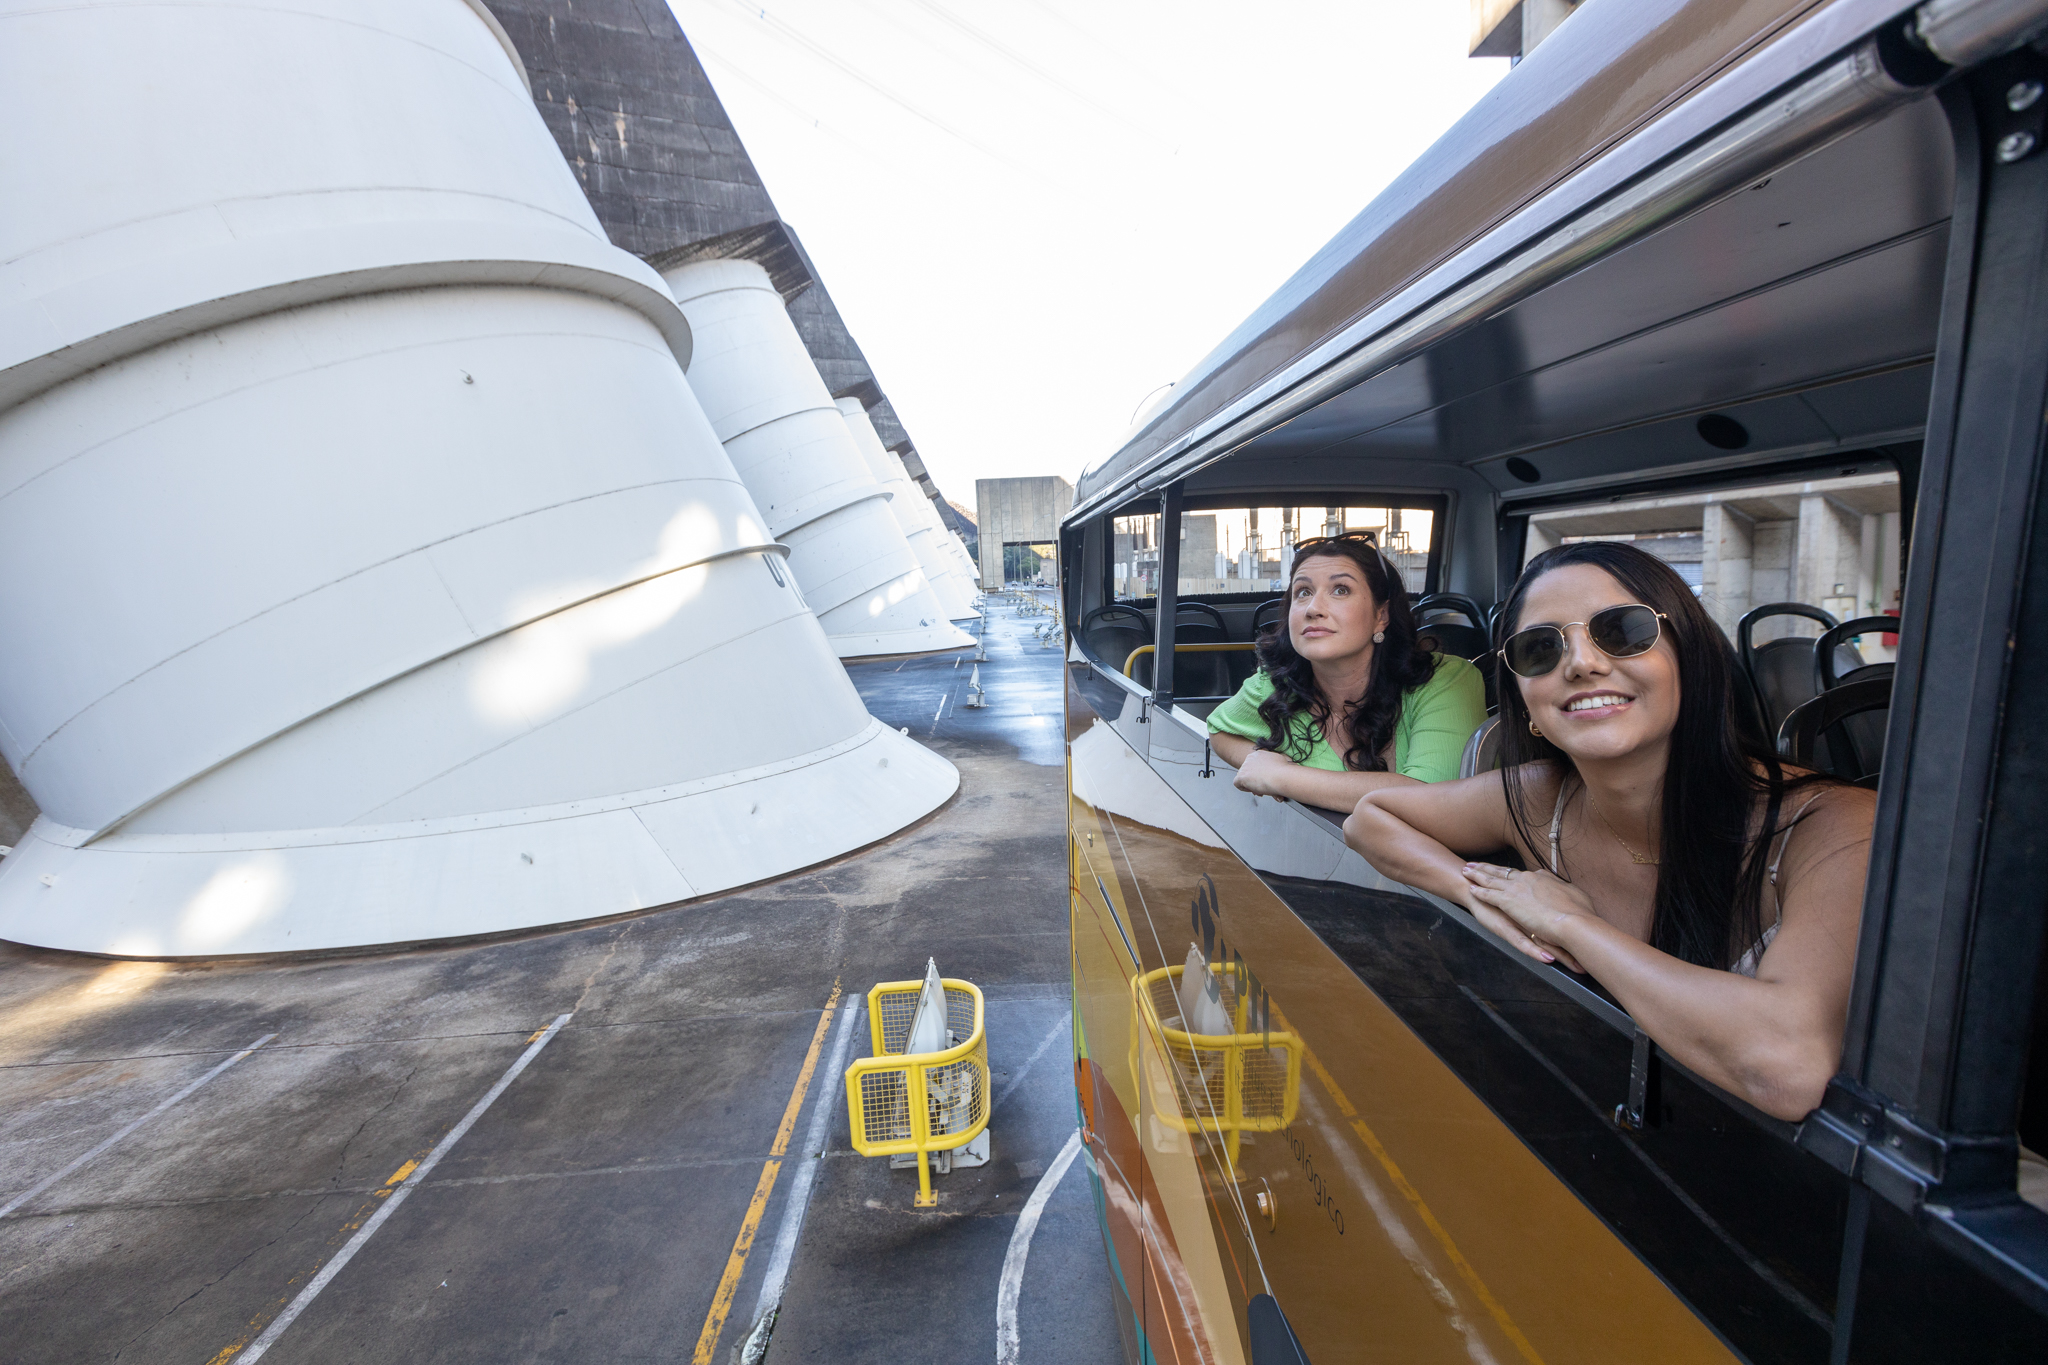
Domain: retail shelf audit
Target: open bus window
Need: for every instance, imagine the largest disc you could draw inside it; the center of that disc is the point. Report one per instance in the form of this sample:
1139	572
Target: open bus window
1229	551
1833	544
1776	564
1134	556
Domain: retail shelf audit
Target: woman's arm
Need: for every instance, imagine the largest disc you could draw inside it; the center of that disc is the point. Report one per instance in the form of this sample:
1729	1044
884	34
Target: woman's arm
1421	836
1263	772
1775	1040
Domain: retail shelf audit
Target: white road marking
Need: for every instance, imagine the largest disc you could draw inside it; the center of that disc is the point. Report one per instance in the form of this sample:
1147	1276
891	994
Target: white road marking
1012	1283
11	1205
1029	1062
830	1102
341	1258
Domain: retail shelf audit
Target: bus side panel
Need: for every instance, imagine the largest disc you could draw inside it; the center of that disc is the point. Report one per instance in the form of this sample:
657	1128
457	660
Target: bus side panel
1407	1221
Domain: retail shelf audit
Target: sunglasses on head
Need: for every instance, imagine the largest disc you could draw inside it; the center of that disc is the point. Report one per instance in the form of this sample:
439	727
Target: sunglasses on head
1618	632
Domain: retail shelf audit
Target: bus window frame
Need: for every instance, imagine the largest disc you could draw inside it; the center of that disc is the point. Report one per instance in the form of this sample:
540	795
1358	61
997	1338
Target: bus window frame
1924	1113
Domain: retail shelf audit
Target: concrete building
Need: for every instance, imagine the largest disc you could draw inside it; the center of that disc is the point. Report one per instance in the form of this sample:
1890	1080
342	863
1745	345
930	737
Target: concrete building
1017	512
1832	543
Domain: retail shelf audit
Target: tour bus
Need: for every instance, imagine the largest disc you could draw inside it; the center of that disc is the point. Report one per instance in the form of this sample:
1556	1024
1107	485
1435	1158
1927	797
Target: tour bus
1762	287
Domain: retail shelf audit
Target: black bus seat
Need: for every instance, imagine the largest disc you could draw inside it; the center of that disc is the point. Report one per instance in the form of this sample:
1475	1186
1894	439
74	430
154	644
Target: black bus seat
1207	619
1110	633
1800	737
1863	733
1271	615
1430	603
1199	670
1781	672
1829	649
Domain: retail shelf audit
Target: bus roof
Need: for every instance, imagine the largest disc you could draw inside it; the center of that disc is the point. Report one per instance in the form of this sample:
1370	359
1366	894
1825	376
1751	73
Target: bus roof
1613	97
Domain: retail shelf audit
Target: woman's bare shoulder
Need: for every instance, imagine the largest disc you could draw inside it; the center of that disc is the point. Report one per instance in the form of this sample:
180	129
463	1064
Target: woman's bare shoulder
1836	821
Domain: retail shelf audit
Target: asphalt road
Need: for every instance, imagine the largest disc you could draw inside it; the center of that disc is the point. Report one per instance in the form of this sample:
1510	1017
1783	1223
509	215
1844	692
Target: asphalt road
383	1179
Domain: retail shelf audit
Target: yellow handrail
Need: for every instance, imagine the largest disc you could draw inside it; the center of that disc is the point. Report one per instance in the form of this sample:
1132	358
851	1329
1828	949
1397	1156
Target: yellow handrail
919	1102
1210	648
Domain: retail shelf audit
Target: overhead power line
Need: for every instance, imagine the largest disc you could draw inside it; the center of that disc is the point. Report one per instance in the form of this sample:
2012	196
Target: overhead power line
1010	54
796	37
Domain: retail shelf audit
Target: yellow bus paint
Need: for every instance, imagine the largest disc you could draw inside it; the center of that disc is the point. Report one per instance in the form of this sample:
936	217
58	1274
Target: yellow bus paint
1429	1219
736	1263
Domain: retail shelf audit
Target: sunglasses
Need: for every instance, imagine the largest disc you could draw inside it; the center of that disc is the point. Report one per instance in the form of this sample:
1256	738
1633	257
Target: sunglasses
1618	632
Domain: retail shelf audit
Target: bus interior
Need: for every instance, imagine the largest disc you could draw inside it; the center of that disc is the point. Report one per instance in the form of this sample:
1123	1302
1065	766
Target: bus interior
1816	392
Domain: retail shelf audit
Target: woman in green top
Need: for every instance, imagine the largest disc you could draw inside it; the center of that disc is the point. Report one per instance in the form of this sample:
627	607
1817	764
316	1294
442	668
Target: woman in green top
1346	700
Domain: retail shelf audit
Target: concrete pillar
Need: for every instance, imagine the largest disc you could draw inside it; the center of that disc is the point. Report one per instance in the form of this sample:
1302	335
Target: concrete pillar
786	437
361	591
913	514
1829	554
1726	556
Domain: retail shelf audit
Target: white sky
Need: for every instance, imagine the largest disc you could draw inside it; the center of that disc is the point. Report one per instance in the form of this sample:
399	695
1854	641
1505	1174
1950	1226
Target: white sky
1032	213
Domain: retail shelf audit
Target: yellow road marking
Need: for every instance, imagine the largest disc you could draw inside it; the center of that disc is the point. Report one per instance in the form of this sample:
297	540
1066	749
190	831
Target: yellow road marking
1414	1196
403	1171
535	1034
729	1283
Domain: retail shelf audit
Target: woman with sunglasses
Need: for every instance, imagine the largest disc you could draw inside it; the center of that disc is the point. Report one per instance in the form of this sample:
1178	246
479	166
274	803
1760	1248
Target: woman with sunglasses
1346	699
1668	853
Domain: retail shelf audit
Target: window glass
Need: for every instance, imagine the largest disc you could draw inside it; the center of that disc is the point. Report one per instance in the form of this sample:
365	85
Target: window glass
1134	557
1827	543
1251	549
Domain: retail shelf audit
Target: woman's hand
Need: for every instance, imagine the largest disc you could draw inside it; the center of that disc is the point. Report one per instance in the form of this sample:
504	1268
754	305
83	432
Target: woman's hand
1264	772
1533	911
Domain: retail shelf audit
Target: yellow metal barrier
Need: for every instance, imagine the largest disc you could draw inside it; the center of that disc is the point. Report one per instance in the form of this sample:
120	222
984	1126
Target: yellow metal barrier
920	1102
1234	1082
1214	647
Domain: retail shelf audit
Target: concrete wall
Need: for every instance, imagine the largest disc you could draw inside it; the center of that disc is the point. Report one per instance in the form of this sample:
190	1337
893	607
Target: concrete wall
1017	511
1832	543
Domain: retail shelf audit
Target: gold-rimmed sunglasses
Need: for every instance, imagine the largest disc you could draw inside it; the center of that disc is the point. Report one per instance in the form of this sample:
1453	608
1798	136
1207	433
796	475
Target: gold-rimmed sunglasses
1618	632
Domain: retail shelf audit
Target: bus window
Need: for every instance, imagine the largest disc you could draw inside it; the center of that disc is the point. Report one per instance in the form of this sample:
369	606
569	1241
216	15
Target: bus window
1232	551
1134	557
1776	564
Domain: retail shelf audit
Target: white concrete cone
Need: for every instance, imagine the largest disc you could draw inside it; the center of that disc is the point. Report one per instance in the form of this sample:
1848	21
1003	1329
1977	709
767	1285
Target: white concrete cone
346	610
908	505
787	439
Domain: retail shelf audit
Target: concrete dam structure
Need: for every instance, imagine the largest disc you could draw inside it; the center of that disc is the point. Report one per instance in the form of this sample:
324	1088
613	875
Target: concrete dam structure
375	574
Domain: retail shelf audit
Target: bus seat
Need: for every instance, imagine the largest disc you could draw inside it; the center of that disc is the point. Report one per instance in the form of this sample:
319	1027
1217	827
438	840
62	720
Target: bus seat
1832	649
1781	672
1205	617
1482	751
1467	642
1431	604
1110	633
1799	738
1271	615
1196	673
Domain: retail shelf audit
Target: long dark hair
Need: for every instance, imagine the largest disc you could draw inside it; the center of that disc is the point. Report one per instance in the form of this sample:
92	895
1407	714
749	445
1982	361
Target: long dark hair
1709	906
1399	663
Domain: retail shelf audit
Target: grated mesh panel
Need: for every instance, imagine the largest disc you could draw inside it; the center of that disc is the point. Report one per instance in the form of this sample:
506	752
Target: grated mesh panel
957	1092
898	1009
885	1106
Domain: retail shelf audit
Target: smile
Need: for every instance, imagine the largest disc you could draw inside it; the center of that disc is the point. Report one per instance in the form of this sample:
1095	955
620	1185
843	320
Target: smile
1598	701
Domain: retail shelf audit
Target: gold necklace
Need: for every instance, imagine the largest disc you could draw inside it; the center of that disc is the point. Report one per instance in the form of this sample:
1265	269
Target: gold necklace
1638	858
